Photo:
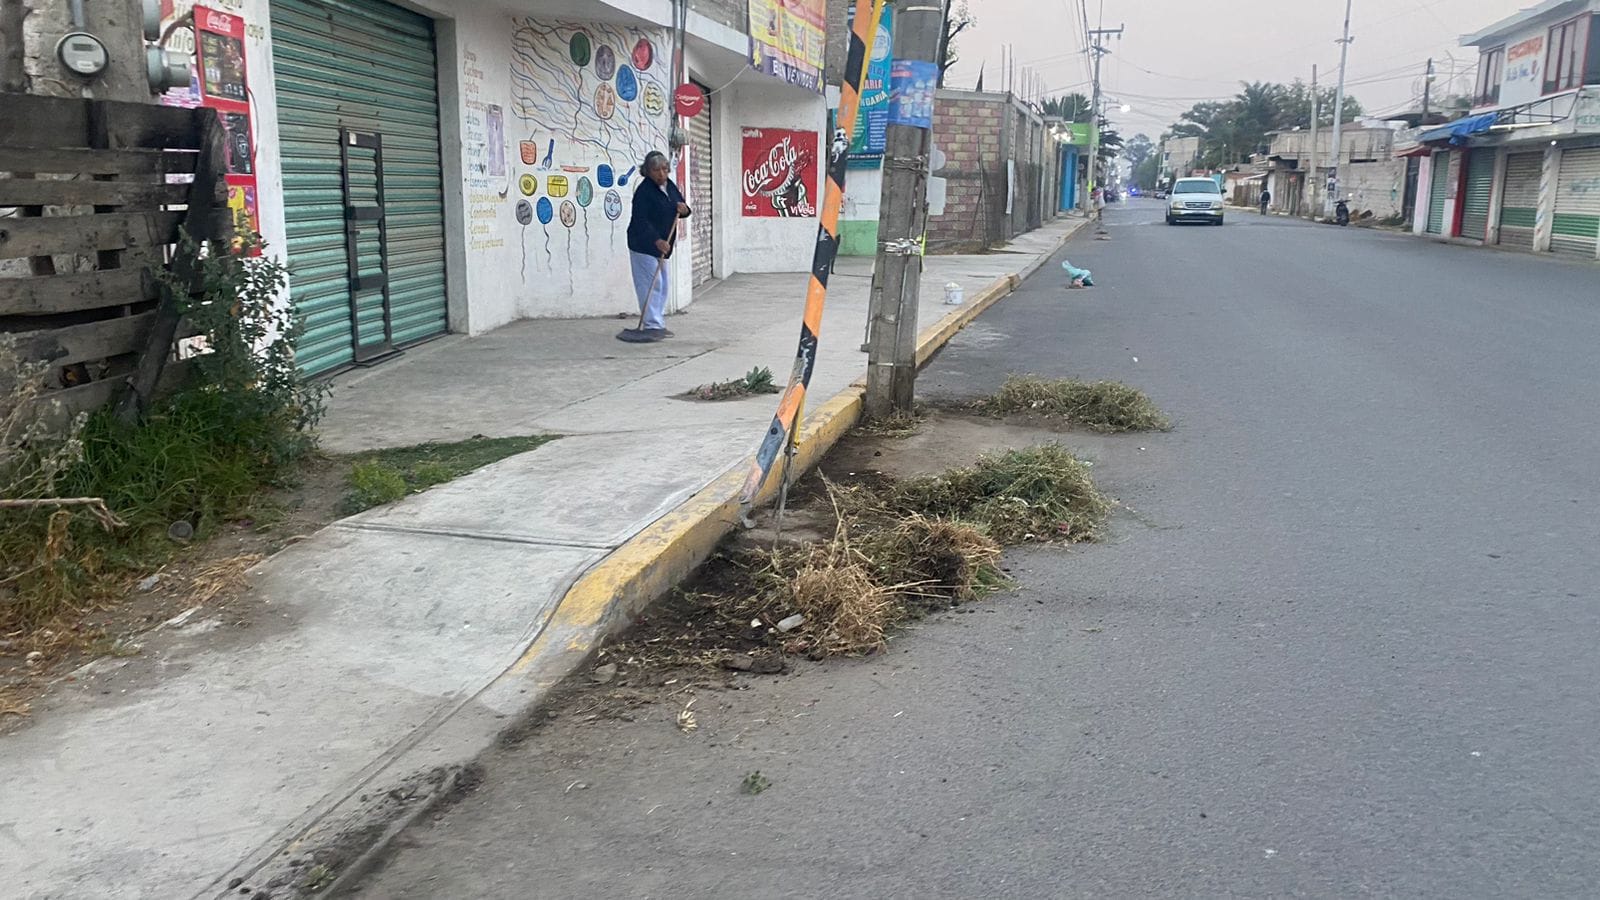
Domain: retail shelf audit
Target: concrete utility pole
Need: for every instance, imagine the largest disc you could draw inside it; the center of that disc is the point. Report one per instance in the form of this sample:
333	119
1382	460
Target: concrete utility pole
1338	109
1427	91
1314	183
892	345
1099	50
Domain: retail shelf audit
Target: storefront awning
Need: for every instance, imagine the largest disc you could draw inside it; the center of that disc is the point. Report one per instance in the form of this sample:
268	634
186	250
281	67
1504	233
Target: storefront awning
1460	131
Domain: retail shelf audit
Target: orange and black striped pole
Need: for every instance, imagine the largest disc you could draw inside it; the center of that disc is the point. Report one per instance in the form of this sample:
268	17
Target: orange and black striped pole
786	424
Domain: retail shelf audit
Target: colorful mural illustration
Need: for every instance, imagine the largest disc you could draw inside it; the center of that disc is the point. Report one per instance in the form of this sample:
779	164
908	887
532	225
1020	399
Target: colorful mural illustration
587	102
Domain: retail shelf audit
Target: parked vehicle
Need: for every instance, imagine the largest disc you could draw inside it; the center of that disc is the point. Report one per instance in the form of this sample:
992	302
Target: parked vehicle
1195	200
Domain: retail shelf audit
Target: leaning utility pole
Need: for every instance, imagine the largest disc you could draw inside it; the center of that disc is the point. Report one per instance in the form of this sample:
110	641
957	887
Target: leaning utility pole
1315	181
892	341
1338	109
1099	50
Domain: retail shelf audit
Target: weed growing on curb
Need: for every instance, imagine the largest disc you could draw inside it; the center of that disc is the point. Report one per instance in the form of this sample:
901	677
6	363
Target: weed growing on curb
1105	406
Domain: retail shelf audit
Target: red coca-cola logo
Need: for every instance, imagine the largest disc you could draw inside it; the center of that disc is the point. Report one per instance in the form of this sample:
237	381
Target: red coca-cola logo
215	21
774	171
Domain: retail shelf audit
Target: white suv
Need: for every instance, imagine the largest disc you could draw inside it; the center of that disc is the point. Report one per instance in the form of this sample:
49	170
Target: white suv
1195	200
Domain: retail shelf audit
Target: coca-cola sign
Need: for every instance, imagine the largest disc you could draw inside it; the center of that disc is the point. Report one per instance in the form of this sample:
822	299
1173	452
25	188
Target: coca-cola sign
780	173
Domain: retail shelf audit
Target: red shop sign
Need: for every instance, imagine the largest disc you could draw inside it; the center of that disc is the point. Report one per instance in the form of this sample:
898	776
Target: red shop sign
689	100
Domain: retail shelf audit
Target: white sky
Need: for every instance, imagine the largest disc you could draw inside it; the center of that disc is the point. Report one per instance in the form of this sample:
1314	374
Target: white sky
1202	50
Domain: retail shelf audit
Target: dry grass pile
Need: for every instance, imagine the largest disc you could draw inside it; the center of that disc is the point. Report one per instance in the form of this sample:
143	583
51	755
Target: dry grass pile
937	561
894	426
1041	493
1105	406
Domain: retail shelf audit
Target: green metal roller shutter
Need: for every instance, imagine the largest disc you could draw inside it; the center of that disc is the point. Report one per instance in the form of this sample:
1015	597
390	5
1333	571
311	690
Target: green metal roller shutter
1577	221
1480	189
1519	199
1439	187
369	67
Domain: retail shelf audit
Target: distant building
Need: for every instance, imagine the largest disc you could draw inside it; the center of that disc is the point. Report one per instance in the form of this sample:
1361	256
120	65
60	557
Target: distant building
1523	170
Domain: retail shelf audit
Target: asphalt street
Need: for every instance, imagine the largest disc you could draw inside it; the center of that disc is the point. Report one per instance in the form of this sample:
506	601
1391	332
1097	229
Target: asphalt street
1342	641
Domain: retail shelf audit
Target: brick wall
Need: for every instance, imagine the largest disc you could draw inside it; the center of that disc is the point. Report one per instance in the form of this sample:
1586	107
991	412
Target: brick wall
967	128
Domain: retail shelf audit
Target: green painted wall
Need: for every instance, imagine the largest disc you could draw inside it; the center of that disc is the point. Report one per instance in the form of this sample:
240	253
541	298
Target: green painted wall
858	238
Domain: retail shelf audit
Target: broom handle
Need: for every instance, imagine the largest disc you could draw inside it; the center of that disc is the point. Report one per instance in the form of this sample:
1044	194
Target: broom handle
661	263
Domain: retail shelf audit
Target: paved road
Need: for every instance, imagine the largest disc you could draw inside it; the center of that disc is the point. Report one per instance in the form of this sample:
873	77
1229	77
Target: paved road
1347	647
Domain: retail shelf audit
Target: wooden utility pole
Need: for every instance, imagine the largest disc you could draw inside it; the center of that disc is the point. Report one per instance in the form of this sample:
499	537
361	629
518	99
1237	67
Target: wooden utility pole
892	346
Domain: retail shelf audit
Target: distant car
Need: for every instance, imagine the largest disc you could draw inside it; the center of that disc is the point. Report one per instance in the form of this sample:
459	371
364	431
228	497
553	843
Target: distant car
1195	200
1160	193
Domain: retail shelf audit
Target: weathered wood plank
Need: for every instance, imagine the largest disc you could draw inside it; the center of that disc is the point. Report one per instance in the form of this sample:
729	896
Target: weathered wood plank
90	397
56	192
89	341
95	162
64	122
51	294
87	234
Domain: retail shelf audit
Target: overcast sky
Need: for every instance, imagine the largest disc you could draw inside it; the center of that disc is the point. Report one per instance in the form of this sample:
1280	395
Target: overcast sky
1178	51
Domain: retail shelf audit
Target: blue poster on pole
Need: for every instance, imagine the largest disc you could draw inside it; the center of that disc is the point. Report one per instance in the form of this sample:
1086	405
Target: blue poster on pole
872	123
912	83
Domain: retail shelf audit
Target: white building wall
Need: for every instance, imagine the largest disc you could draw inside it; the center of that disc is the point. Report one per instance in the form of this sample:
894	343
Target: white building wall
492	56
1376	187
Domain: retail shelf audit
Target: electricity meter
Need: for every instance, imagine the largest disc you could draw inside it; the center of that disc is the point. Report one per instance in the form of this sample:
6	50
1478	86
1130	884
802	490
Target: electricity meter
82	53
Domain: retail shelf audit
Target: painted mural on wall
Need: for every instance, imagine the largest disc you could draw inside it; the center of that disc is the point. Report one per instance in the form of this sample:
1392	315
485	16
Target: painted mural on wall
588	101
780	173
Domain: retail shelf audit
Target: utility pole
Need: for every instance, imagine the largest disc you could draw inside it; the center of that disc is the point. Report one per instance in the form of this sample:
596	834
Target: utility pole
1315	181
1427	91
1097	47
1338	107
892	350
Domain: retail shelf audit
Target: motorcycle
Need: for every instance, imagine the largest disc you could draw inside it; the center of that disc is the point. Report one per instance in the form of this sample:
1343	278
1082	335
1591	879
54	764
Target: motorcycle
1341	212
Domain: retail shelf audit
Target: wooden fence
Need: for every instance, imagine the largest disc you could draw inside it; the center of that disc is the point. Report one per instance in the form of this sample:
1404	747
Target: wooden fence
92	197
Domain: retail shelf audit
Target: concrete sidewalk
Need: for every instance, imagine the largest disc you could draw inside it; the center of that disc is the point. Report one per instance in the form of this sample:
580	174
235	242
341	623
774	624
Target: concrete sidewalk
391	648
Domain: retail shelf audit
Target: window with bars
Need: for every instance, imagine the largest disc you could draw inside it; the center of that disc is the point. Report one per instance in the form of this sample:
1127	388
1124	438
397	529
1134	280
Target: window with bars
1564	64
1491	71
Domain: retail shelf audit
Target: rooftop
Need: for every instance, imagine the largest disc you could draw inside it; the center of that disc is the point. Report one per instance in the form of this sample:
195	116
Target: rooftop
1549	9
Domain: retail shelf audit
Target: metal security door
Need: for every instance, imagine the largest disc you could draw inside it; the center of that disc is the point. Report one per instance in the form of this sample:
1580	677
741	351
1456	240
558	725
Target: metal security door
363	67
1439	186
702	181
1577	220
1519	199
1479	193
366	242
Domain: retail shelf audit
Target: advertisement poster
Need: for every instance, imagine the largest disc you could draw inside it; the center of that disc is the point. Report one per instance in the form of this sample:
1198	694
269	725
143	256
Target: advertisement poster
224	86
912	85
779	173
872	124
787	40
245	210
219	46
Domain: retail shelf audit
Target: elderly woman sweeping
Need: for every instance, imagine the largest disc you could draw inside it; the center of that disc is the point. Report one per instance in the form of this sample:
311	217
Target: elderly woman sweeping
652	233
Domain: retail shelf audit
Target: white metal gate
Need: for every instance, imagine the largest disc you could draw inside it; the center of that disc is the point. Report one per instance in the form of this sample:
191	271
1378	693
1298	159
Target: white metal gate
1439	184
1519	199
1577	220
702	181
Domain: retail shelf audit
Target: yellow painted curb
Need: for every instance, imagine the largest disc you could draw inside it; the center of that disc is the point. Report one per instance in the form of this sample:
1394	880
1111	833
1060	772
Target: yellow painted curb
619	587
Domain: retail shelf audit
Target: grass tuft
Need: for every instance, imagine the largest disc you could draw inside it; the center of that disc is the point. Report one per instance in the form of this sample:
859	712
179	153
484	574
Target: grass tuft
755	382
1106	406
1041	493
384	476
